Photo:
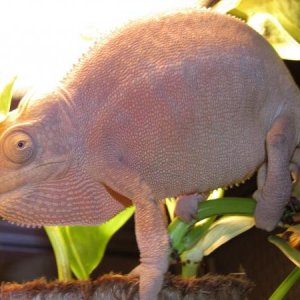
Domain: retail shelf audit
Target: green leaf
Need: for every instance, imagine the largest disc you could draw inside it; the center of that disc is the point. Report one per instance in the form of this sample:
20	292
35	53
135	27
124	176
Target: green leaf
86	244
284	246
6	97
220	232
60	249
198	231
223	230
286	285
224	206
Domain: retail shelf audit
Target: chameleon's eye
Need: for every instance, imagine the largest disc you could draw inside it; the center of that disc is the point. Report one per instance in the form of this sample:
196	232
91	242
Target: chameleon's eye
18	147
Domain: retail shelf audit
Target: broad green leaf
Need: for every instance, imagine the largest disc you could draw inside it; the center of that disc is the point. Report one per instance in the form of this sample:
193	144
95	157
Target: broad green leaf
6	97
225	229
220	232
87	244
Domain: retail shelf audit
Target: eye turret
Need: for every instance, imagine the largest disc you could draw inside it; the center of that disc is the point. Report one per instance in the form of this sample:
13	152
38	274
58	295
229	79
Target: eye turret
18	147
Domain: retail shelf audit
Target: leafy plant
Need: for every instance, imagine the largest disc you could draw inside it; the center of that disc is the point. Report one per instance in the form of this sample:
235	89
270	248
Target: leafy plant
218	221
80	249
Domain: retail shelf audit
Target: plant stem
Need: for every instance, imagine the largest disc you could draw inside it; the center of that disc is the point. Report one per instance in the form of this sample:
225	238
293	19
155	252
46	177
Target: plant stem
60	252
226	206
189	270
286	285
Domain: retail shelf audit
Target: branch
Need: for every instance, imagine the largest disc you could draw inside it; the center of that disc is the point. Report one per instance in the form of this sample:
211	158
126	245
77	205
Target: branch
113	286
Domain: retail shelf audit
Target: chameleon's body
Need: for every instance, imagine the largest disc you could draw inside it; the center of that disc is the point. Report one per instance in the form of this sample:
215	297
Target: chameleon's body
170	106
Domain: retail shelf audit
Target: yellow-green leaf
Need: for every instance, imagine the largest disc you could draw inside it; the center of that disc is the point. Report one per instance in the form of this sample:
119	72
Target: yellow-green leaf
270	28
287	12
277	20
6	97
84	246
87	244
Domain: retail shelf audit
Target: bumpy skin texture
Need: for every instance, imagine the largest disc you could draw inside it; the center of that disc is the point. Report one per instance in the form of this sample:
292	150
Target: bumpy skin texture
171	106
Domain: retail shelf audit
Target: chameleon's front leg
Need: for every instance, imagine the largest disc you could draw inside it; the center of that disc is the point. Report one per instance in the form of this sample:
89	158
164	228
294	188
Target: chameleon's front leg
153	243
150	227
274	181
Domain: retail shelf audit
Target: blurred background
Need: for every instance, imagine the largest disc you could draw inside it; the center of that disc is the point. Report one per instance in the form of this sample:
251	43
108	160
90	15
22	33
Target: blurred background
40	40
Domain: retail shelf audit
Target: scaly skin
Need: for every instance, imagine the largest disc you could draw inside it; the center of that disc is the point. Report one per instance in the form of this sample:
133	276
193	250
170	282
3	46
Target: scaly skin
170	106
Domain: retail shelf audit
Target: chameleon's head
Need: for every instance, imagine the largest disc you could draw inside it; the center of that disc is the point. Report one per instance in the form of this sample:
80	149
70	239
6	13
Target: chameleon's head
42	181
34	148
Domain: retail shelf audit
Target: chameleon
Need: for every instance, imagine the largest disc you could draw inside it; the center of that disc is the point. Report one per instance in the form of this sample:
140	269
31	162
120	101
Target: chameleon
176	104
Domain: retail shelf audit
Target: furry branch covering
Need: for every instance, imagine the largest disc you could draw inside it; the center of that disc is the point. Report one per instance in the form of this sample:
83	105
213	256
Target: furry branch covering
121	287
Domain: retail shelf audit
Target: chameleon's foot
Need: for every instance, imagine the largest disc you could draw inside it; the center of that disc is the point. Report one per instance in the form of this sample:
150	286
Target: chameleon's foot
187	206
151	280
266	216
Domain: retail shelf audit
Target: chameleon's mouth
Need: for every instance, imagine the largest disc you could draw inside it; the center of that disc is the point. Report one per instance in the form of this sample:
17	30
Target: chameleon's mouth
13	191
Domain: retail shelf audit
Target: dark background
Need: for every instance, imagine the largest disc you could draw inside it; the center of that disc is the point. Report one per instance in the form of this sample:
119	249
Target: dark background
26	254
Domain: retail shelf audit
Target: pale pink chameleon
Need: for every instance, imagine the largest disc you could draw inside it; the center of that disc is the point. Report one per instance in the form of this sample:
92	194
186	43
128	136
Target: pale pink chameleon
174	105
